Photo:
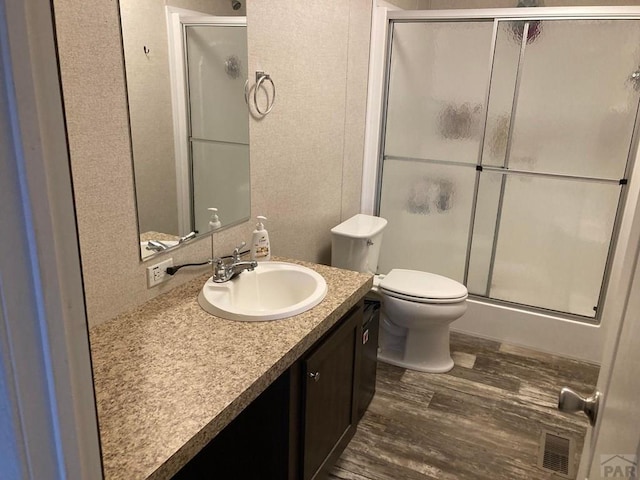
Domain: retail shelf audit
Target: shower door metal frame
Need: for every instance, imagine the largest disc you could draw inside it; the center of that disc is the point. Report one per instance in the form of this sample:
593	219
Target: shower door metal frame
502	15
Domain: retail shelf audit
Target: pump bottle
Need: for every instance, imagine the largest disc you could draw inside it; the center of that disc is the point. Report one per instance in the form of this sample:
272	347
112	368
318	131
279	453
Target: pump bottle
260	247
214	222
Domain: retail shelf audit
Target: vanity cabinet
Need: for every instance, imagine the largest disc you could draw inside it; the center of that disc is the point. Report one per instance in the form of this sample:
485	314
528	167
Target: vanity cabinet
330	403
298	427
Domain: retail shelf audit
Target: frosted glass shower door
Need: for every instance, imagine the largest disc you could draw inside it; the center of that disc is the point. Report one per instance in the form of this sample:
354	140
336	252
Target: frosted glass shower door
219	127
504	167
563	101
217	68
547	200
231	195
576	103
552	241
428	207
437	90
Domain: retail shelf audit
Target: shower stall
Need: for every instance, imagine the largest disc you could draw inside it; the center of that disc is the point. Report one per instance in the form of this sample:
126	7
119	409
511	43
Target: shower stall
507	142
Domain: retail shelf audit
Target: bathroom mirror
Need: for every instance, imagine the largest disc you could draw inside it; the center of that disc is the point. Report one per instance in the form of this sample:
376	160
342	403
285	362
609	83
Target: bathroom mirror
186	67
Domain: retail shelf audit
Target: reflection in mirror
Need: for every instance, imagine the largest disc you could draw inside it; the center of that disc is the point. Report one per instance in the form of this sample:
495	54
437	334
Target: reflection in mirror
186	67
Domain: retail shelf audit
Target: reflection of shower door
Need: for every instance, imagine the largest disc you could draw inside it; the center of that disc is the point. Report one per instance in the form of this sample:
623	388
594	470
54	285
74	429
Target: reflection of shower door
506	154
218	135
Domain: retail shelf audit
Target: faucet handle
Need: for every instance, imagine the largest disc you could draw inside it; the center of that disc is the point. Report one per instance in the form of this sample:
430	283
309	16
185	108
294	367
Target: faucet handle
188	236
236	251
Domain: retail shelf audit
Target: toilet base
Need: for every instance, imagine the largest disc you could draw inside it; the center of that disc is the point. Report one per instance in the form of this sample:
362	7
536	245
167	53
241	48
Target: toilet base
395	357
424	350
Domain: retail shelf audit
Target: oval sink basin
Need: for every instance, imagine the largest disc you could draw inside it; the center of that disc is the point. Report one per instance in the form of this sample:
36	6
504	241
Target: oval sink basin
274	290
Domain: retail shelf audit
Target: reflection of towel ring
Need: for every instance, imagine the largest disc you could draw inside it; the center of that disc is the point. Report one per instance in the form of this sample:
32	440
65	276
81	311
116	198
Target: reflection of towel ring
260	79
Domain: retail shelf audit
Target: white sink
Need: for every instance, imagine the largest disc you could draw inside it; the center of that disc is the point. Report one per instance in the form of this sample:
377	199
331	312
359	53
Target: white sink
147	253
272	291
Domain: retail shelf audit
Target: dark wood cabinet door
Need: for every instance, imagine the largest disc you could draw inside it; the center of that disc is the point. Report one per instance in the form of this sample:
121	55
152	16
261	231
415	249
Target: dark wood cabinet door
330	403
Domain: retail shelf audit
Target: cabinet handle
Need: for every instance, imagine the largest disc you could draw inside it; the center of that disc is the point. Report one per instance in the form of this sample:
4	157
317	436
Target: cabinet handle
315	375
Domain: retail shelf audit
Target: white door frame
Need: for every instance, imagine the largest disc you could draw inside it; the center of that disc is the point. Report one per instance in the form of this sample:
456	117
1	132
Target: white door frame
176	19
619	417
48	422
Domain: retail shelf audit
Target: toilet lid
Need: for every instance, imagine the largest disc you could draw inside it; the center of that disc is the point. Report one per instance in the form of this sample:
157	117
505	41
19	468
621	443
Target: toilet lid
422	285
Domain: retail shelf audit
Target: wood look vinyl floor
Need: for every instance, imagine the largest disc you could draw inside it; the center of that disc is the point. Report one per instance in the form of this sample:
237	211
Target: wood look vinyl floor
482	420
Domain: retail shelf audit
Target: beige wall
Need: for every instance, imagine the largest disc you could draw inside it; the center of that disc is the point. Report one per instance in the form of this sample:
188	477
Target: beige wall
306	156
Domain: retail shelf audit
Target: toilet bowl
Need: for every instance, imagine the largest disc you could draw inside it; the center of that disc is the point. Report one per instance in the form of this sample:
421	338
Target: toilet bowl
417	307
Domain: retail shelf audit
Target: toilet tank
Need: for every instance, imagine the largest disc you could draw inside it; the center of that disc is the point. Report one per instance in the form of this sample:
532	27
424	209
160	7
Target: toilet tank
355	243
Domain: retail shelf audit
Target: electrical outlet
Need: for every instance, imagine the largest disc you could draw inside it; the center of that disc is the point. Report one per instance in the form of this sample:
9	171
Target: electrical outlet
157	273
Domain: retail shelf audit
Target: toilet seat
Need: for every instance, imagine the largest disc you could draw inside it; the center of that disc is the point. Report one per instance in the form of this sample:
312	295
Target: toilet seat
421	287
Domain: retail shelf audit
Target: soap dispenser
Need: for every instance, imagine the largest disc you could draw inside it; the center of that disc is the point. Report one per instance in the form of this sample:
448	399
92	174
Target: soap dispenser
260	247
214	222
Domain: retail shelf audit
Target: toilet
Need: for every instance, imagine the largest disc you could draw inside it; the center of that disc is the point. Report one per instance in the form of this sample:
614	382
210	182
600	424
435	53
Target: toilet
417	307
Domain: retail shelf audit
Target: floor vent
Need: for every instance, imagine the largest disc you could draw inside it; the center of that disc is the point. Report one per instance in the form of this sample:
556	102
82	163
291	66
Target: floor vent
556	454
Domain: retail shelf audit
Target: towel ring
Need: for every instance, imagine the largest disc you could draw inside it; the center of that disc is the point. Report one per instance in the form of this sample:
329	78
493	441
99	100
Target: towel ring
260	79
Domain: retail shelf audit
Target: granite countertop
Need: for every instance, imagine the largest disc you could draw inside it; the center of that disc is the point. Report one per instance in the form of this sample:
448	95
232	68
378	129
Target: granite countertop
158	236
169	376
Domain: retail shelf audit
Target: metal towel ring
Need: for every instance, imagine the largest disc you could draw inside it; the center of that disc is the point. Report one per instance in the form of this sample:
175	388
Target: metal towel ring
260	78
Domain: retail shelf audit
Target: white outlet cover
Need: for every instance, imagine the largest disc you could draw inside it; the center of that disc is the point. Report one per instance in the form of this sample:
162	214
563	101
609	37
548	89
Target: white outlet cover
157	273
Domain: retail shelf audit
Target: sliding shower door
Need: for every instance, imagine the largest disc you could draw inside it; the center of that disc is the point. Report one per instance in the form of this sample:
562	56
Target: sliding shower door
506	154
436	98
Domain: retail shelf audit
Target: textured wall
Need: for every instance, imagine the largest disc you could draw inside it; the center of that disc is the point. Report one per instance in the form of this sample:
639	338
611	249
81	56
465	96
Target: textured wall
356	105
306	155
312	142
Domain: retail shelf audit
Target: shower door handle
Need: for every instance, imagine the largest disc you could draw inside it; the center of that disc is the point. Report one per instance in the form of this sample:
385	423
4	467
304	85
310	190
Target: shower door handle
572	402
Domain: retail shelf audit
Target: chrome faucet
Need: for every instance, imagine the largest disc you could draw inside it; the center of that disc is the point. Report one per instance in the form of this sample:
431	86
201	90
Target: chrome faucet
225	271
156	245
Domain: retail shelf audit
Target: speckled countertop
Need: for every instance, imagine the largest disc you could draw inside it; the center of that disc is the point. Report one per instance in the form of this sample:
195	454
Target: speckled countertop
151	235
169	376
